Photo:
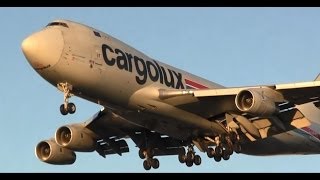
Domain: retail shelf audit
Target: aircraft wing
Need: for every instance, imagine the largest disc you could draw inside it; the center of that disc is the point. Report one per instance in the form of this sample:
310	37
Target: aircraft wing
211	102
107	124
106	133
110	131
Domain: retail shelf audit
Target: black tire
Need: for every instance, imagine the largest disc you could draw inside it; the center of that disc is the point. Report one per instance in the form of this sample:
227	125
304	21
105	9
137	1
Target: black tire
190	156
237	148
228	149
155	163
141	155
197	160
217	158
63	111
225	155
210	152
218	150
71	108
146	165
182	158
189	163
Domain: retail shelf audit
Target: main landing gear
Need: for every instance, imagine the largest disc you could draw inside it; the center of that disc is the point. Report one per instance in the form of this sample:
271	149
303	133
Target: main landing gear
149	161
66	107
190	158
226	144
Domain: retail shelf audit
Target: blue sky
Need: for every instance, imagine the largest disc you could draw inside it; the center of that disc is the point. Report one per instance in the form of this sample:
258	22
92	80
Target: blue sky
230	46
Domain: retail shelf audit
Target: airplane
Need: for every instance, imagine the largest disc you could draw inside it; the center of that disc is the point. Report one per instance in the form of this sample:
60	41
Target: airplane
162	109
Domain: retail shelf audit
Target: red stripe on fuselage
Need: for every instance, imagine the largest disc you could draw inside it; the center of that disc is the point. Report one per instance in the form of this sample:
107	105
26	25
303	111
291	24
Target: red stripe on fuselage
195	85
311	132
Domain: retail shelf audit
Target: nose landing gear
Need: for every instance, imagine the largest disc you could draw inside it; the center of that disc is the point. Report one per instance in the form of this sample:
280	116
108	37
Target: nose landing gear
66	107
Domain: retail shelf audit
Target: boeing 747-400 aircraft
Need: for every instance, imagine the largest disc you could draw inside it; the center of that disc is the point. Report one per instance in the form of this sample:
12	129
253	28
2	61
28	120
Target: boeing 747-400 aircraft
163	109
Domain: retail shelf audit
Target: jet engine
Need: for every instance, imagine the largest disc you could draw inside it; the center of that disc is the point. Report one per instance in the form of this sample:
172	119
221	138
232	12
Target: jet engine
50	152
255	101
75	138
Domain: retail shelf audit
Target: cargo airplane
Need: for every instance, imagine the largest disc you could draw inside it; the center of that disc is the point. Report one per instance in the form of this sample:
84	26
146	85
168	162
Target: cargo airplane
162	109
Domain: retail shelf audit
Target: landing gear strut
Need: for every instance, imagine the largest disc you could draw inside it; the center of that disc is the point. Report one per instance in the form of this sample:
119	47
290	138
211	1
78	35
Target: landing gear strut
66	107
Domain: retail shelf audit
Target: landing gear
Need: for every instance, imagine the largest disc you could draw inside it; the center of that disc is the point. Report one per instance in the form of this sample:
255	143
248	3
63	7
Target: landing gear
149	161
146	165
182	157
225	145
225	155
217	158
66	107
63	110
237	148
197	160
210	152
190	158
155	163
218	153
141	155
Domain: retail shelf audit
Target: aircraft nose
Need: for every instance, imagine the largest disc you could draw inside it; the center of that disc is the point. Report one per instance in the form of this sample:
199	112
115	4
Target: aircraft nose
43	49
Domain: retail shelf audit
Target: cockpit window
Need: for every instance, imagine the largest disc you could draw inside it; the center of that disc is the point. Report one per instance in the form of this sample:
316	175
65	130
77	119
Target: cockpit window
58	24
96	34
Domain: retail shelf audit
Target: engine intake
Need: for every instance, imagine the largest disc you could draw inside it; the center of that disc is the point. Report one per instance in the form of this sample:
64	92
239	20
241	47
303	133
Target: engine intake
255	101
74	137
50	152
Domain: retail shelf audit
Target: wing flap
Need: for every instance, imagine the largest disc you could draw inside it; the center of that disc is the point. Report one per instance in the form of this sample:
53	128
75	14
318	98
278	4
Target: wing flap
300	93
107	124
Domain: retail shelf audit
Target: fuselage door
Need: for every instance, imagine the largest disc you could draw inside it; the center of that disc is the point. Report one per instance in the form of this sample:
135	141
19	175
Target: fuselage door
95	60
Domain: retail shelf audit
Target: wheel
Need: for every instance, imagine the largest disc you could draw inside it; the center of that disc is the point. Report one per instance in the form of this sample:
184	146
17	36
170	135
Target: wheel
228	150
225	155
155	163
237	148
146	165
217	158
190	156
182	158
210	152
197	160
141	155
71	108
189	163
218	150
63	110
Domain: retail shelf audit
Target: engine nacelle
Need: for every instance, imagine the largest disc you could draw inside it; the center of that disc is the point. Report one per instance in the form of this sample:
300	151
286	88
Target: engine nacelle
255	101
50	152
75	138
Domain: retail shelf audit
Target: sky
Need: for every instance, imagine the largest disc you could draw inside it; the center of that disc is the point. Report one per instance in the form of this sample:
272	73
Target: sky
230	46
